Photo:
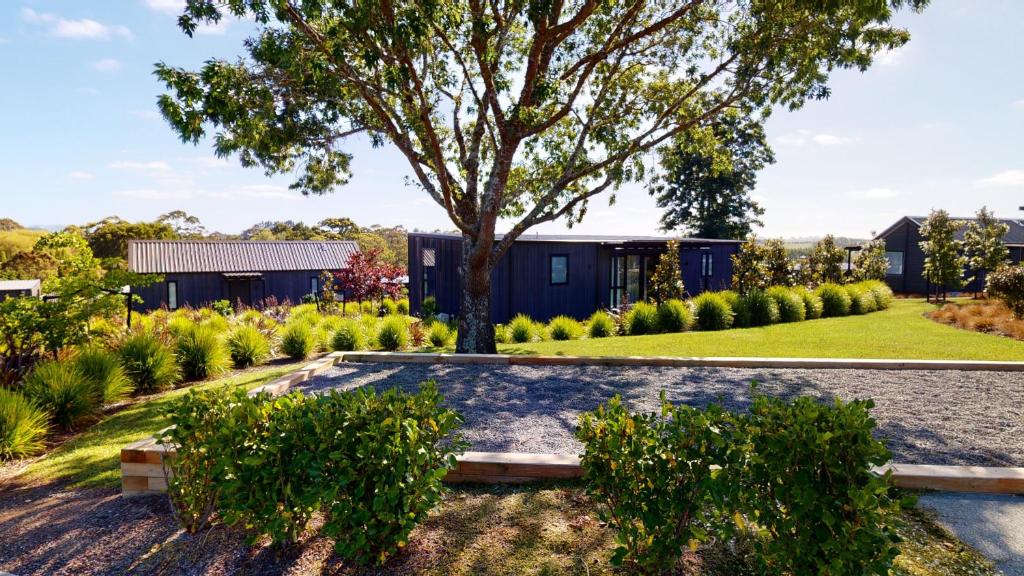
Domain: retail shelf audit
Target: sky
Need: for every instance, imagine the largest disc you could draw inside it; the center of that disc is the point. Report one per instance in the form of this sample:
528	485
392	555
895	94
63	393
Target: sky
938	123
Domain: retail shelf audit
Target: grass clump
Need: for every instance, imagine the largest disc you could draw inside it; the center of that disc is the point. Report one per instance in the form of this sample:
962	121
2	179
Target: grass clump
349	337
149	362
756	308
23	426
521	329
674	316
564	328
63	391
642	318
440	334
713	311
248	346
862	301
882	293
812	303
104	369
389	306
201	353
791	305
297	340
393	333
835	300
601	325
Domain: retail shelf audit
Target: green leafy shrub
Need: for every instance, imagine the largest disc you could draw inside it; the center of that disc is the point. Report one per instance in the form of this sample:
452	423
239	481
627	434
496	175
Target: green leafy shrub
428	308
521	329
393	333
642	318
731	297
389	306
835	301
880	290
564	328
248	346
201	353
104	369
440	335
62	391
402	306
366	307
1007	284
298	340
674	316
23	426
758	309
149	362
223	307
862	301
501	334
812	303
713	311
601	325
349	336
791	304
653	475
808	482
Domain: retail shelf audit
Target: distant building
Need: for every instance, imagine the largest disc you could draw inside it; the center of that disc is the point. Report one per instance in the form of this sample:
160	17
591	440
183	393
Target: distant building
15	288
198	272
906	259
546	276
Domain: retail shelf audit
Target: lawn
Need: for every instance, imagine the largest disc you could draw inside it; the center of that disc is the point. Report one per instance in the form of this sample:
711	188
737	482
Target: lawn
902	331
92	458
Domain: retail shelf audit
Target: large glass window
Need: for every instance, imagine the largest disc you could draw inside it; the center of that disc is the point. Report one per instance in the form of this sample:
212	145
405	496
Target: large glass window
429	259
559	269
895	263
633	285
314	286
172	295
706	264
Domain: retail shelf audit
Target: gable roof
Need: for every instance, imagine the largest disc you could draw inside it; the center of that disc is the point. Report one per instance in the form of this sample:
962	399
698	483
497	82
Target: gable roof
1014	235
179	256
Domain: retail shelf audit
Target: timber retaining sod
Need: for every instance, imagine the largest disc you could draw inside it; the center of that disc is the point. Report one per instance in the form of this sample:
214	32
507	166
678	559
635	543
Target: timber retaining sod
142	469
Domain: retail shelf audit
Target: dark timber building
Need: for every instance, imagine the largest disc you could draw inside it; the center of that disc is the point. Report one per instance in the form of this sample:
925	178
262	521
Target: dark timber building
906	259
198	272
545	276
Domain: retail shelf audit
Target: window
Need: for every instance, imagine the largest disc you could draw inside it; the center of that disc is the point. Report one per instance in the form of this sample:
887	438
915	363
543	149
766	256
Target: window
618	282
559	269
706	264
895	263
172	295
428	258
314	286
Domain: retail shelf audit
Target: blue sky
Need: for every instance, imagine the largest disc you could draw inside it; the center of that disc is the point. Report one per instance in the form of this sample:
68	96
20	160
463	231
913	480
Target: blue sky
937	124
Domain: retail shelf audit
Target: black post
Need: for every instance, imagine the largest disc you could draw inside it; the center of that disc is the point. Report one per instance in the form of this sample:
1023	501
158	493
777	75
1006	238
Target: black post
128	302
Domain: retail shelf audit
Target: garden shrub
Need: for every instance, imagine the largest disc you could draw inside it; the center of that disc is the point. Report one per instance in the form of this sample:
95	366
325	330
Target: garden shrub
106	373
370	325
731	297
297	340
741	315
429	309
601	325
759	309
389	306
835	300
1007	284
862	301
63	391
349	337
882	293
440	335
149	362
564	328
642	318
808	482
501	334
652	474
791	304
23	426
402	306
521	329
366	307
674	316
222	307
713	311
179	324
215	323
393	333
812	303
201	353
248	346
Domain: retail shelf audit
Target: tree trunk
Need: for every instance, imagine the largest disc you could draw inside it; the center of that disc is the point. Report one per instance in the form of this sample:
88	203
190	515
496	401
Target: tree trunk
476	333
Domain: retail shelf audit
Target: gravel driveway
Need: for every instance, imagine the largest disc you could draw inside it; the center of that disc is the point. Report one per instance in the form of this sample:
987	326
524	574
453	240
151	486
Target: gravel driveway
927	417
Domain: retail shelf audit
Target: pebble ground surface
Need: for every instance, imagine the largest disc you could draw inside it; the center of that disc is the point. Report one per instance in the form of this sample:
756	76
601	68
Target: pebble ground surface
926	417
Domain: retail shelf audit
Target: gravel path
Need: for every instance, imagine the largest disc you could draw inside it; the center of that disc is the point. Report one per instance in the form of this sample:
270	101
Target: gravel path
927	417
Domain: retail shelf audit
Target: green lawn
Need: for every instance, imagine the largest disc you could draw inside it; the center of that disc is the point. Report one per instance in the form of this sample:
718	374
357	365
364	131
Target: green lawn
899	332
93	457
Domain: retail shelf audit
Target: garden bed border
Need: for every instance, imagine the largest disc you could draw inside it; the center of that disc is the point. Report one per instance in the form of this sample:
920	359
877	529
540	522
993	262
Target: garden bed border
142	470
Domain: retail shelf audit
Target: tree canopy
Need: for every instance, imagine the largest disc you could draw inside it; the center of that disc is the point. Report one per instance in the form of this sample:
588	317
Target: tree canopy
983	242
943	259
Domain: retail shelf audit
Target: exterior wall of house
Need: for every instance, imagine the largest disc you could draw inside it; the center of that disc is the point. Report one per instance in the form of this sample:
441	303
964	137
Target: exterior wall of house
521	281
201	289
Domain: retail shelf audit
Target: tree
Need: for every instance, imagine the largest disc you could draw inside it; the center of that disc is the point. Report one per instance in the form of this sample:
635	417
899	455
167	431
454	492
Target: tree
29	265
667	280
184	225
523	111
824	264
709	175
871	263
1007	283
943	261
983	243
778	269
6	225
109	237
748	267
367	276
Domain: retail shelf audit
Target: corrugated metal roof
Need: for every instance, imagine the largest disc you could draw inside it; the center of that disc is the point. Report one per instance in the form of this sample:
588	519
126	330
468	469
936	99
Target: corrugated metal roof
1014	235
177	256
6	285
596	238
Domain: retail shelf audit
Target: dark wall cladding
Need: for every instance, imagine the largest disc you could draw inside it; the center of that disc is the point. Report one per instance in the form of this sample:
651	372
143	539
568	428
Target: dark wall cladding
201	289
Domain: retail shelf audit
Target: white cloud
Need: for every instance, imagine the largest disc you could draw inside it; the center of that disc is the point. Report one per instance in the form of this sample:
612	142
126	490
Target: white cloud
106	65
151	194
803	136
875	193
166	6
80	175
155	165
176	7
1018	104
830	139
893	57
85	28
1004	179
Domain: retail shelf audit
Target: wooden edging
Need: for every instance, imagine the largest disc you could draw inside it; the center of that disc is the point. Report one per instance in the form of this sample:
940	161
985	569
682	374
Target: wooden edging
683	362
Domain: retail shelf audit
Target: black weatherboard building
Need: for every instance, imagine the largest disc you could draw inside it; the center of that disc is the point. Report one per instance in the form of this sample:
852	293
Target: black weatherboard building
906	259
198	272
545	276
